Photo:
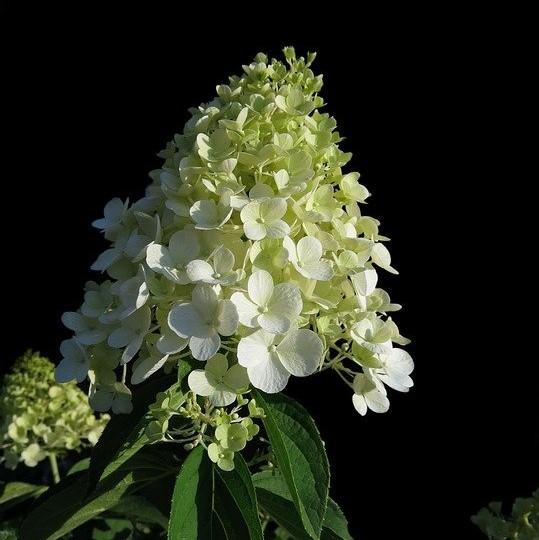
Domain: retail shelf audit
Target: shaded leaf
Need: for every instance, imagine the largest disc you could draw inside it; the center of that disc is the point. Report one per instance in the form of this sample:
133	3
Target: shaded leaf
301	457
275	499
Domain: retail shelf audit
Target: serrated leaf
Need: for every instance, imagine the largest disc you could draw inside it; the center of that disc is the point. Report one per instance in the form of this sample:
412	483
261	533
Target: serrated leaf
300	455
66	507
275	499
124	435
235	495
213	504
191	511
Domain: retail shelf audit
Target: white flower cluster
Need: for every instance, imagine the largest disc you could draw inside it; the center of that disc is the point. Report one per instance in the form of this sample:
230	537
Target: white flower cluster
249	243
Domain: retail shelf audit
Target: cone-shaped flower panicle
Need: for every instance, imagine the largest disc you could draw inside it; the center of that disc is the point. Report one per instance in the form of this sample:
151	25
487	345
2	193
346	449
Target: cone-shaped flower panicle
249	251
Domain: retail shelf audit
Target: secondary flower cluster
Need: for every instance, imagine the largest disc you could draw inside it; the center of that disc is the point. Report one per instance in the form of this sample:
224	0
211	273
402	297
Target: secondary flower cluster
40	417
249	241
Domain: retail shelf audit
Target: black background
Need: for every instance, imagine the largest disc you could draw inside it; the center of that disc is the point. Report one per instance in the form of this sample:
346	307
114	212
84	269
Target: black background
436	108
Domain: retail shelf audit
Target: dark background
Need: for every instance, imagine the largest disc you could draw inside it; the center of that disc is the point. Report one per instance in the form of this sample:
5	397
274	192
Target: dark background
437	110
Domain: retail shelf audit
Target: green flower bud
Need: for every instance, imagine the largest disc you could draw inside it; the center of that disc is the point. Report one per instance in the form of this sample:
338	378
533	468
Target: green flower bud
254	411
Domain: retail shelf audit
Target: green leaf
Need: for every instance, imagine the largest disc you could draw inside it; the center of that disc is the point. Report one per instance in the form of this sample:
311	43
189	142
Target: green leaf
235	497
335	523
124	435
81	465
138	508
14	493
191	512
213	504
274	497
66	506
301	457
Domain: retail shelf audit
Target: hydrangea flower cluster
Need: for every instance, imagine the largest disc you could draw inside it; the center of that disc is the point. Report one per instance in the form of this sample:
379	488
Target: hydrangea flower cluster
40	417
250	241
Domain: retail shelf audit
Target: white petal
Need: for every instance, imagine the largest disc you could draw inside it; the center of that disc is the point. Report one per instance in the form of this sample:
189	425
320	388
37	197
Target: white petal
290	247
199	383
320	271
359	404
106	259
204	213
186	321
399	382
132	349
120	337
158	258
301	352
74	321
68	370
365	281
254	230
250	212
170	342
269	376
273	209
146	367
223	260
260	287
114	209
401	361
247	311
377	402
380	256
274	323
92	337
199	270
184	246
254	349
277	229
260	191
286	300
222	397
71	348
309	250
282	178
205	299
205	348
227	318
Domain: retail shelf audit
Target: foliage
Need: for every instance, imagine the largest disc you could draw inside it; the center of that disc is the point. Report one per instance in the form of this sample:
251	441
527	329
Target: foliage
521	524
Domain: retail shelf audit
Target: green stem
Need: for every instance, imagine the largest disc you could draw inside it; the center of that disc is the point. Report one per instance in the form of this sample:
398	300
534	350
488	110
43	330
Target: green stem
54	468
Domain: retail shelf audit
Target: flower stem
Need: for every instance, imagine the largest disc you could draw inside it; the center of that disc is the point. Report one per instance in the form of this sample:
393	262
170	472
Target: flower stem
54	468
